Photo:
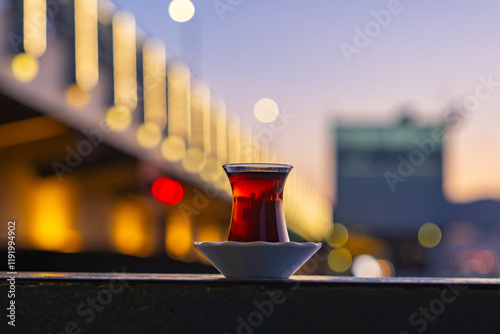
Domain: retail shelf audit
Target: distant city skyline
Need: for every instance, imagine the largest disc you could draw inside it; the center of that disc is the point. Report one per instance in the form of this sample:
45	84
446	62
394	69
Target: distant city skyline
418	53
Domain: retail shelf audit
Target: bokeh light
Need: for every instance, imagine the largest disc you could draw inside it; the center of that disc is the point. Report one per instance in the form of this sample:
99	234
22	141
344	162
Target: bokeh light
118	118
86	44
173	148
387	267
266	110
148	135
339	236
51	219
339	260
131	234
77	97
35	26
178	237
483	262
124	59
167	190
181	10
429	235
208	231
24	67
366	266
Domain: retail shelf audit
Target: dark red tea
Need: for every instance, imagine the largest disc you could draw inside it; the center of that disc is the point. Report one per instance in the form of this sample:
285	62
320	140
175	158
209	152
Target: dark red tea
257	206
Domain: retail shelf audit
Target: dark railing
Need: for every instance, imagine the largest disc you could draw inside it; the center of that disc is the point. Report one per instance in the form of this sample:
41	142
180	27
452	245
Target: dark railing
203	303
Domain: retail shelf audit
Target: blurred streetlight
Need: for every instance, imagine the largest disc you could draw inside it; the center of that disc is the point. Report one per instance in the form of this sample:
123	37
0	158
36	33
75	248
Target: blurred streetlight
181	10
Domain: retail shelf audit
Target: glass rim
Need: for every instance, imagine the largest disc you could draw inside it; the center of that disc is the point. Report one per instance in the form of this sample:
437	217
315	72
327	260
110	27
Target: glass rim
256	167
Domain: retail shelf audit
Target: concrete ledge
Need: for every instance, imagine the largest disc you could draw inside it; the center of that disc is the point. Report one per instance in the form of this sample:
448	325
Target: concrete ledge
178	303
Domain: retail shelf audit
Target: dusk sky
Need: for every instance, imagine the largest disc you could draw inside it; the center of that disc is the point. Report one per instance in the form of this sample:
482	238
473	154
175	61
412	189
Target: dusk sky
427	55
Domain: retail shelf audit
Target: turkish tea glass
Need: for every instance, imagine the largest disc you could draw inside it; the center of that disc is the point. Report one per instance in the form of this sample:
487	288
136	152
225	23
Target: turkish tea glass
257	213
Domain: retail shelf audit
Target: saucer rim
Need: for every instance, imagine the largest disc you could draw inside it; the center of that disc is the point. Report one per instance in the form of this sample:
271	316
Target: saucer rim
258	243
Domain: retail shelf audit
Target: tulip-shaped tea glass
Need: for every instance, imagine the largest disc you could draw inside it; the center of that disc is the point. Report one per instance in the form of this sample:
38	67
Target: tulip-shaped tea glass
257	213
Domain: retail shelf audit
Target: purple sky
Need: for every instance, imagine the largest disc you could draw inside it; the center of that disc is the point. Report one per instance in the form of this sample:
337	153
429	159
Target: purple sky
428	54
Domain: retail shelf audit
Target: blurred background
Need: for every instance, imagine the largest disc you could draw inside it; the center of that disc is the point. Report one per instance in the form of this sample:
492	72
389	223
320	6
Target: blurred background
387	110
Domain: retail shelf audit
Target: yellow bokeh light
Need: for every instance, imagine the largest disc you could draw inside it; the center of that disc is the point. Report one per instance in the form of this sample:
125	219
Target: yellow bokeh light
148	135
208	232
173	148
266	110
124	60
339	260
194	160
429	235
179	101
24	67
52	217
178	239
77	97
339	236
86	45
130	233
155	82
118	118
181	10
35	26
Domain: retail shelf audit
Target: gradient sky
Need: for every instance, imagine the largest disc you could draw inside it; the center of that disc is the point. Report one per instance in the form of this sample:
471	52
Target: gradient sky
430	54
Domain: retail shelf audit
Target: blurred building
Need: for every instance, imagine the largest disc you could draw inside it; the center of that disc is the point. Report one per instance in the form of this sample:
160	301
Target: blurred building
390	195
93	112
389	178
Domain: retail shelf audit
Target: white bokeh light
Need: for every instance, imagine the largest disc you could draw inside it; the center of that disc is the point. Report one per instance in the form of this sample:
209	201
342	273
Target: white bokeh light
366	266
266	110
181	10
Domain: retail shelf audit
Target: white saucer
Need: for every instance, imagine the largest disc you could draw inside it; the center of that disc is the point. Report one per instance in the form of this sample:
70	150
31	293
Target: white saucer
257	259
